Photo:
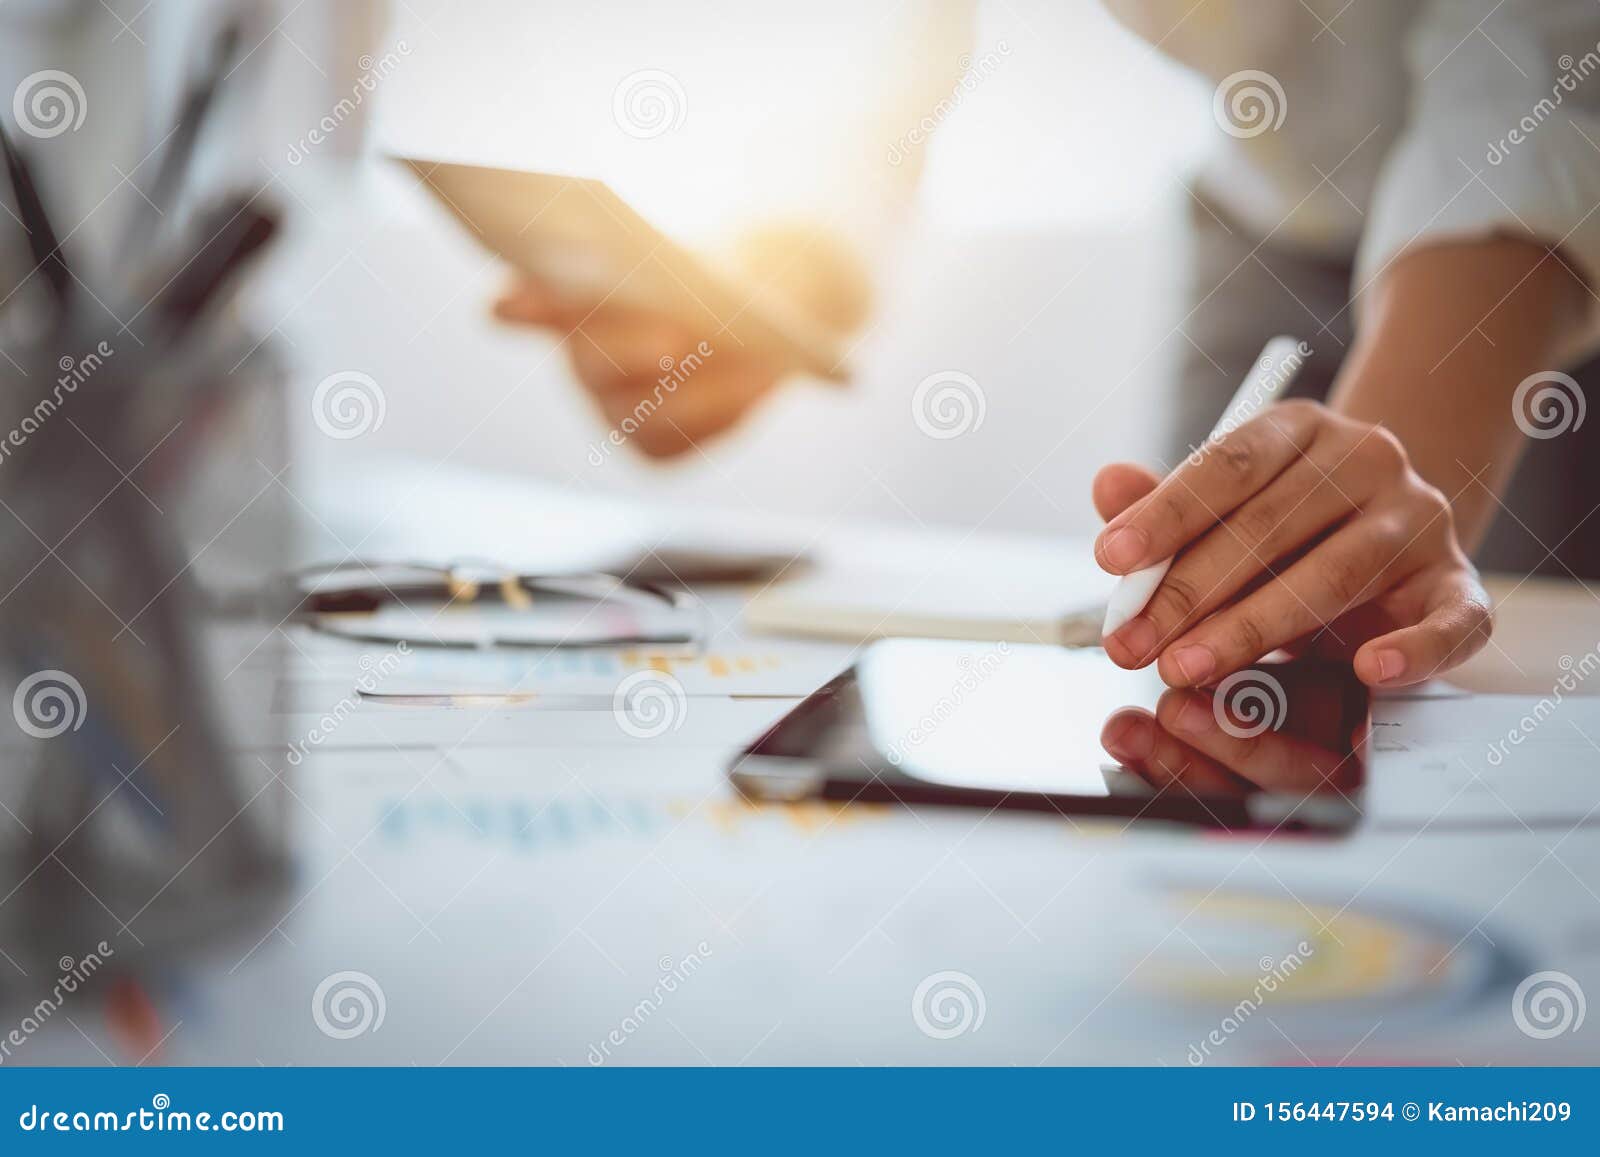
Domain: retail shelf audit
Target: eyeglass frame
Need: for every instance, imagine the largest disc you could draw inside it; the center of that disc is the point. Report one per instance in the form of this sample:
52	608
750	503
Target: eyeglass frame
507	585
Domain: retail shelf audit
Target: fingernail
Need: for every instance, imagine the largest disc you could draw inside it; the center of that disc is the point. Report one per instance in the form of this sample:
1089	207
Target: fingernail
1133	740
1194	718
1195	662
1124	547
1138	637
1391	665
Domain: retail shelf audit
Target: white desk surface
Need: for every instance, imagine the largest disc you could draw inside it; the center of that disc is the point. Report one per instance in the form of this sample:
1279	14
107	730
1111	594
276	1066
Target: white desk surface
518	884
1538	622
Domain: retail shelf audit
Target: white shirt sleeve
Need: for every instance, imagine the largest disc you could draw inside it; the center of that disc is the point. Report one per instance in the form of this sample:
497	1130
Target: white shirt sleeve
1502	137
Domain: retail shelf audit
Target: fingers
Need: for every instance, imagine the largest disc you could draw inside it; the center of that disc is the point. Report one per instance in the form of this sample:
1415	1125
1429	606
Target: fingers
1141	745
531	302
1253	750
1356	563
1296	508
1363	544
615	346
609	343
662	421
660	388
1119	485
1208	485
1456	625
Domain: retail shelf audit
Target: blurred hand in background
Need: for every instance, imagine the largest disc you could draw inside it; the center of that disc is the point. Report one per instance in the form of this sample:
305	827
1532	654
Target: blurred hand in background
619	351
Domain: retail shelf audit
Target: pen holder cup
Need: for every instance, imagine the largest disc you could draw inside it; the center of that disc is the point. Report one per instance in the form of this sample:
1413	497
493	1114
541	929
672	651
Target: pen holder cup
142	812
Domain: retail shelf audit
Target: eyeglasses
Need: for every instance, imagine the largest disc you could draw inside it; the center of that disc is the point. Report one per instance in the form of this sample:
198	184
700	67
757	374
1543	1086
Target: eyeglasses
474	603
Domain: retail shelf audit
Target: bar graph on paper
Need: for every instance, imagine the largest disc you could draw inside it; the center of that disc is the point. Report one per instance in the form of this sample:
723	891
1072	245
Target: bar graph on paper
532	824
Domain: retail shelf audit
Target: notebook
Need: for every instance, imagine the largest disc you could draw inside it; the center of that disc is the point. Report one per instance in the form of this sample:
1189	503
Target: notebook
990	587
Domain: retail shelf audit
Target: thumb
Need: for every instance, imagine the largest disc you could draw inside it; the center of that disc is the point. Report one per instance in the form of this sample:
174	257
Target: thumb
1119	485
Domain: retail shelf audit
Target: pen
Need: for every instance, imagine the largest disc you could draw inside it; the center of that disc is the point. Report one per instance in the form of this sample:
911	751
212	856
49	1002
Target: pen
234	232
1280	359
196	103
47	253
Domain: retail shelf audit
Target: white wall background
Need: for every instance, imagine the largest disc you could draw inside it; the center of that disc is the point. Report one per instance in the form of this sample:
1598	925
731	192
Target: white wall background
1043	258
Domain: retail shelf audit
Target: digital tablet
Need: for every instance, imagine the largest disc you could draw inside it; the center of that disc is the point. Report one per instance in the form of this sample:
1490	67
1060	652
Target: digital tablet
1280	746
577	235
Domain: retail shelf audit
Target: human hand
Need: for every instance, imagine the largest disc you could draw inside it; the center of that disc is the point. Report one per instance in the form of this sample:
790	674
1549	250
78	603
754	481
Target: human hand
665	385
655	380
1199	741
1300	529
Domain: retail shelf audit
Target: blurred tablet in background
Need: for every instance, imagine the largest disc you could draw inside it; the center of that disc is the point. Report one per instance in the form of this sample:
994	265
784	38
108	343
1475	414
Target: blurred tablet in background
576	235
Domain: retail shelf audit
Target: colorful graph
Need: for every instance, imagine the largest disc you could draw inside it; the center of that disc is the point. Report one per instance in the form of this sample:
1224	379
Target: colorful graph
529	824
1323	955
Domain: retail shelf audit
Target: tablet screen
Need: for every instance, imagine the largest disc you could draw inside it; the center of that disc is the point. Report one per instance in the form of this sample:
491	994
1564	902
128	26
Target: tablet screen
1007	722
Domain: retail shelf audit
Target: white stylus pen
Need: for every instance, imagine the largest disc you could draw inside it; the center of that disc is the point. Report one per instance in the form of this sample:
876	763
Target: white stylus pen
1280	360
